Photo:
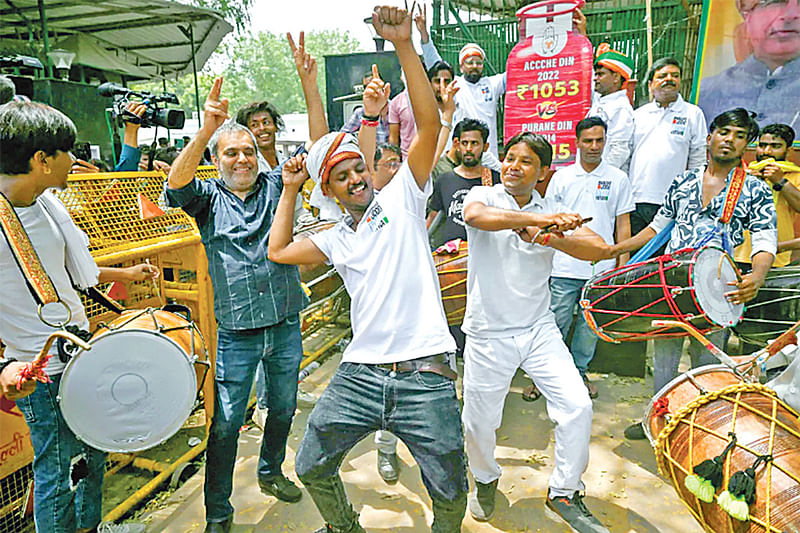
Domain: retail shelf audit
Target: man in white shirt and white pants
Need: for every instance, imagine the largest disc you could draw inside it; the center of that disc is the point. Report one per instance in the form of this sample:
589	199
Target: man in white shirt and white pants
612	70
396	373
669	137
513	233
593	188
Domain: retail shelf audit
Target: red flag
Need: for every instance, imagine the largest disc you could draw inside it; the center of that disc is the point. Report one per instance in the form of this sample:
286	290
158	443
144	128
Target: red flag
117	291
148	209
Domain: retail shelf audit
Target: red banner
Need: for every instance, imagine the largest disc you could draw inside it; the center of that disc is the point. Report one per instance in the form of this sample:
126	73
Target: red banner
548	90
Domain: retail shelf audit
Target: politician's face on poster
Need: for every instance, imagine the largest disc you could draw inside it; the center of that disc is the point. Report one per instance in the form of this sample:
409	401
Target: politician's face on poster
750	57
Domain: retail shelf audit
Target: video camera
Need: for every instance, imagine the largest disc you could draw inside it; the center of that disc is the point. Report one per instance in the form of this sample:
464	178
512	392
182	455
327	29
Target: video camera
155	114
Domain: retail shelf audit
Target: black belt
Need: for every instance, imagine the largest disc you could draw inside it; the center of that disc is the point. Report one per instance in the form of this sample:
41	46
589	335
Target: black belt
435	364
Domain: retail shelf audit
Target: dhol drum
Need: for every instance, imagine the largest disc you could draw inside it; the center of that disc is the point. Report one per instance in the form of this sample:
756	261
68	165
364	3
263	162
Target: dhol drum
452	271
687	285
690	421
774	309
137	385
320	281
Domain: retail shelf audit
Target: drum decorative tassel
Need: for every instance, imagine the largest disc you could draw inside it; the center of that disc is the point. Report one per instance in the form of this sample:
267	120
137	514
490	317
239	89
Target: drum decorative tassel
742	431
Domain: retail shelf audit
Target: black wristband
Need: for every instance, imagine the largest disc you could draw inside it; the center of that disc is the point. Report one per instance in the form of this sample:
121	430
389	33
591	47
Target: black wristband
5	362
374	119
778	186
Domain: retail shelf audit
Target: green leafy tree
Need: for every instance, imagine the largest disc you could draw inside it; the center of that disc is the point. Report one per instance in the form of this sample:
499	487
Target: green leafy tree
258	67
237	12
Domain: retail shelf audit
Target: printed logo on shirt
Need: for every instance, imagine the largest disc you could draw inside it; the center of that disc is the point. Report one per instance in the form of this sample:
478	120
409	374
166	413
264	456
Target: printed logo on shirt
603	190
678	125
455	211
375	218
487	94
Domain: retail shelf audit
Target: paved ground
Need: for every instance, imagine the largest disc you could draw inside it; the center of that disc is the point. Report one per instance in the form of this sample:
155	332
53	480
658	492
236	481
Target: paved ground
623	487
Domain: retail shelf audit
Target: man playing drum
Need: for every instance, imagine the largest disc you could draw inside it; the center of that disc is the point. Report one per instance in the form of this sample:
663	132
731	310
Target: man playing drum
513	233
694	201
256	302
35	144
396	372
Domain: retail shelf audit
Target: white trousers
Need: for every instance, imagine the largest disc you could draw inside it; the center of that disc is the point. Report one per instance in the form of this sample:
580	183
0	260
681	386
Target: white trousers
489	366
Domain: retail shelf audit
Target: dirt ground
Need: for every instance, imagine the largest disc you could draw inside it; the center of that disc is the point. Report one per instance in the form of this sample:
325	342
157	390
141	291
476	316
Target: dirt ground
623	487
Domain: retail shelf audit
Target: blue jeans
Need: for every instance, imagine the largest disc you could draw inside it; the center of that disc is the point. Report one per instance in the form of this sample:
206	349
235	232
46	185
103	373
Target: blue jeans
564	294
419	407
57	508
278	349
667	355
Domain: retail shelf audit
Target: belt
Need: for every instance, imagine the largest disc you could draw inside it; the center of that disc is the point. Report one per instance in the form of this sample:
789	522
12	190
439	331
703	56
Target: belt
435	364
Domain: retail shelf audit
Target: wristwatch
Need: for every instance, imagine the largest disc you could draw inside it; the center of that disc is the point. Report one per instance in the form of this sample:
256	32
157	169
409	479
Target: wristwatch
778	186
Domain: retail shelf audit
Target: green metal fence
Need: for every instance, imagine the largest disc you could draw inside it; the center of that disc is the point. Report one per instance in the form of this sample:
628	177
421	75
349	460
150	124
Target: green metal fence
621	23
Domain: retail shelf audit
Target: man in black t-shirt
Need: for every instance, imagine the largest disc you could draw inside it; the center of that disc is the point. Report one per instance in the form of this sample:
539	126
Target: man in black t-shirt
450	188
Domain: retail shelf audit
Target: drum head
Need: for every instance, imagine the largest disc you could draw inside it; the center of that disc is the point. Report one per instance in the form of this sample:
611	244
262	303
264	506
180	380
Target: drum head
131	391
711	274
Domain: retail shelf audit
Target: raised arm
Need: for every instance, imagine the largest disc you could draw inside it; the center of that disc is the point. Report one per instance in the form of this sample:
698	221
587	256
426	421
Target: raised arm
430	55
394	24
215	113
307	70
280	248
449	104
376	95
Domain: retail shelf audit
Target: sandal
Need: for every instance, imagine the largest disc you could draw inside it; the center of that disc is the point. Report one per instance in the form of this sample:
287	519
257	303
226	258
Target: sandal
531	393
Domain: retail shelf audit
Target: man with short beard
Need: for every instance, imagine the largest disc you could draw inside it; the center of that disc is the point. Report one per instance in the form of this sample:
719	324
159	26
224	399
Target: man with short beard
669	137
774	142
693	201
256	302
396	373
450	188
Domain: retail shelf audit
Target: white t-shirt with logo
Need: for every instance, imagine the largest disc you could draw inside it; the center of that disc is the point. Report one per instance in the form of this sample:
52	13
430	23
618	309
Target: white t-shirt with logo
396	309
507	278
603	194
666	141
20	328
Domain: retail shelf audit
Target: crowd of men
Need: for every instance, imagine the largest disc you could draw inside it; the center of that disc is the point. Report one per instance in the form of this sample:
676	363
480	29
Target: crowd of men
423	171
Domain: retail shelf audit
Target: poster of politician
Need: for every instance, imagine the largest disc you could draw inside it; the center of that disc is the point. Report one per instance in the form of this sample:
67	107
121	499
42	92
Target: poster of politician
750	57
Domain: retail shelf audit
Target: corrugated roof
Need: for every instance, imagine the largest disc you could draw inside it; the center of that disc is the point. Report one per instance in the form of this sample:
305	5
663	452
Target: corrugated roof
144	33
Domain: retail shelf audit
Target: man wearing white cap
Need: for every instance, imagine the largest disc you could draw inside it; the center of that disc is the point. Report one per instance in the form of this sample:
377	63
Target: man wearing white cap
478	96
612	70
396	373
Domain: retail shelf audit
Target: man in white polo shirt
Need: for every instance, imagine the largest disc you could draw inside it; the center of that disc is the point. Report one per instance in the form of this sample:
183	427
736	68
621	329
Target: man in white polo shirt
396	373
612	70
669	137
513	233
595	189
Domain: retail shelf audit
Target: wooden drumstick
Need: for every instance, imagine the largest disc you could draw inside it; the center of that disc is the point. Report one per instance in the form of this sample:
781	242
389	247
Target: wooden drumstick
724	358
155	285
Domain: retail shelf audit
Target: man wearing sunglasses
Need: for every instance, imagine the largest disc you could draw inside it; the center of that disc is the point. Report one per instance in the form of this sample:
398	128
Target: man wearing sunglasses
768	81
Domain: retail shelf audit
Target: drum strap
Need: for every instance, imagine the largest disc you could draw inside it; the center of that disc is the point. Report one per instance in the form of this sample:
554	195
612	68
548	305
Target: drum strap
735	186
37	280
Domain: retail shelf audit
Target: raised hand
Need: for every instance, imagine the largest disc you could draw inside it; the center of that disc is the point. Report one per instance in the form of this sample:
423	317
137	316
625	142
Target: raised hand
305	64
294	172
449	97
83	167
392	23
421	21
215	110
376	94
579	22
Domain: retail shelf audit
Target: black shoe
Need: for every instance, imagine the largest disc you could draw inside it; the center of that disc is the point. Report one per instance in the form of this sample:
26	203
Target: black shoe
481	501
388	466
635	432
327	528
219	527
280	487
574	512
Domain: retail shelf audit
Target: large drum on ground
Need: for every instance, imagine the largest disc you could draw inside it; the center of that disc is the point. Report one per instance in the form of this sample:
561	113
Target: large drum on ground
774	309
687	285
690	420
320	281
452	270
137	385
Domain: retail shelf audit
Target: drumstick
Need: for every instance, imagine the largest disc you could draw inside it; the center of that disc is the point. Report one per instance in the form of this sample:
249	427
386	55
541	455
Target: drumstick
549	227
707	344
155	285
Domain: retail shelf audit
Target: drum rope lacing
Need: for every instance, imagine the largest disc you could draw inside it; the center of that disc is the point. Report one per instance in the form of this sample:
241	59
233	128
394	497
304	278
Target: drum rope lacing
667	464
668	290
